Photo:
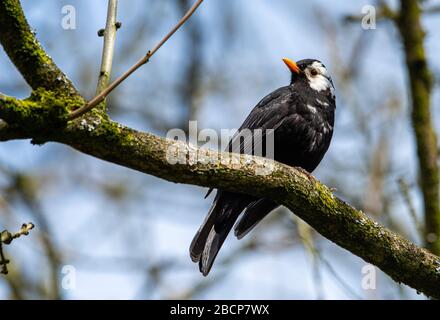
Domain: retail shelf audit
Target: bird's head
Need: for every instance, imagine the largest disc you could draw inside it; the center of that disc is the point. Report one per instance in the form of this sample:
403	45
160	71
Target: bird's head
312	72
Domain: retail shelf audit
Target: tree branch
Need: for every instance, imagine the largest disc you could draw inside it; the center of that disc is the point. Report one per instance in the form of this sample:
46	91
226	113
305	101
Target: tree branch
109	46
308	198
19	42
6	238
420	79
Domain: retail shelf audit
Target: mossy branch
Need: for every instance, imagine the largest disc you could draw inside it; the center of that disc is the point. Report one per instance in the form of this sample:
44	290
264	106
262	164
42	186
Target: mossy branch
302	194
26	52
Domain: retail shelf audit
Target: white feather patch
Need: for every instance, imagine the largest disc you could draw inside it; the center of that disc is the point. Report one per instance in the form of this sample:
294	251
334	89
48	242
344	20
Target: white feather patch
325	104
311	108
321	81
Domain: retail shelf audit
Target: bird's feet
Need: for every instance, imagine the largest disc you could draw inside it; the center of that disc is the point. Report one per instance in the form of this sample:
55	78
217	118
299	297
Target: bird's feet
308	174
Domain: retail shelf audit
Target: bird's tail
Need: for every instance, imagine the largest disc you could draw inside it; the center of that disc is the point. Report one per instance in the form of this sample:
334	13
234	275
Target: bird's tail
210	237
255	212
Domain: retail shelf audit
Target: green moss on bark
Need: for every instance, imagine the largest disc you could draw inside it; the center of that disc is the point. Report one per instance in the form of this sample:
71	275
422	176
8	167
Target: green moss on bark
40	115
26	53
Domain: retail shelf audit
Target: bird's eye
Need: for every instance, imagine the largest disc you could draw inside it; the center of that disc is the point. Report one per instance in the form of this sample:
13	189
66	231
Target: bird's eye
314	72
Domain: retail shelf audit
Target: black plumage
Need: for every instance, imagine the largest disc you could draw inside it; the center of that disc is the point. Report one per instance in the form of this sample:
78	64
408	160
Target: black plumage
302	116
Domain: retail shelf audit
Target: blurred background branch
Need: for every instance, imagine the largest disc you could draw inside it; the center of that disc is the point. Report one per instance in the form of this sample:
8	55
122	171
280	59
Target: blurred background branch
420	79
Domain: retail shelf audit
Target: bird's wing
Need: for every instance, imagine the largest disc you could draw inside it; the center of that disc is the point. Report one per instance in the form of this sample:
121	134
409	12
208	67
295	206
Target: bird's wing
269	113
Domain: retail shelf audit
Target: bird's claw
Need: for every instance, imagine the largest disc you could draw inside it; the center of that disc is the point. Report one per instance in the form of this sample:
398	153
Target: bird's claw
308	174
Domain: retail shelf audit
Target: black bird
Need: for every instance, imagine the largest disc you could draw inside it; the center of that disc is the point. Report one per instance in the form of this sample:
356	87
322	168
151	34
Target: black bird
302	116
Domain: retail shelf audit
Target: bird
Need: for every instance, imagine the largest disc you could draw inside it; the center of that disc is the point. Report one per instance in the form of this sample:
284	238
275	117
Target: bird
301	116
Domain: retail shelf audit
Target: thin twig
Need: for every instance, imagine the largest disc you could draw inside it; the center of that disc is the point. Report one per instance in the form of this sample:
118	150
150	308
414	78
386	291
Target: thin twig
6	238
109	46
405	191
338	278
96	100
3	261
307	240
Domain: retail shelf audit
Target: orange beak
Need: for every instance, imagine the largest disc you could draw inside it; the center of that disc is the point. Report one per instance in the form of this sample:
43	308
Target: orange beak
292	65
